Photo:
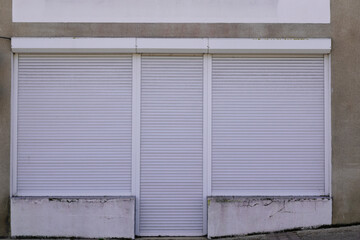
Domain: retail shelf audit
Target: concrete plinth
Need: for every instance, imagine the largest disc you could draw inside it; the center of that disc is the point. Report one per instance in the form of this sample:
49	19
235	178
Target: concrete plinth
73	217
244	215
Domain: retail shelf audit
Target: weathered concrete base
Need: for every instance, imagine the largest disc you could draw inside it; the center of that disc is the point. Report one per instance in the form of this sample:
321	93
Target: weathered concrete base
73	217
243	215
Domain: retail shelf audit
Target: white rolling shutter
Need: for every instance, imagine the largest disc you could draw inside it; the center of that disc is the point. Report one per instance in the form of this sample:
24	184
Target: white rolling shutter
171	192
268	125
74	130
74	125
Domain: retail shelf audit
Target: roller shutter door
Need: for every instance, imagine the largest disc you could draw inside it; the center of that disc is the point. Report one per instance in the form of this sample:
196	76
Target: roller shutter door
74	130
74	125
171	185
268	126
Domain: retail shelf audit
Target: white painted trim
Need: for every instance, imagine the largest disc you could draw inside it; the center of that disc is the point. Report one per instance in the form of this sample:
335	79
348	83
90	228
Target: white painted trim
289	55
136	125
72	45
172	11
13	125
171	235
209	122
270	45
206	134
268	193
172	45
327	103
73	193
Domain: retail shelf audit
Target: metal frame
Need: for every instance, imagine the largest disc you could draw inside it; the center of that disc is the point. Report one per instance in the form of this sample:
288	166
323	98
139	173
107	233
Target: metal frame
136	136
206	136
13	125
327	104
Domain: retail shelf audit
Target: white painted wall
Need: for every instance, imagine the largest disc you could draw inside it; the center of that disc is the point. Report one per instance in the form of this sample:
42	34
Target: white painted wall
244	215
173	11
73	217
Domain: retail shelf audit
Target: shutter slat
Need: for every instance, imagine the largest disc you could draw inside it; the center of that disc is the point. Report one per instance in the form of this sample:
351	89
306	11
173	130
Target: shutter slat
74	124
171	196
267	126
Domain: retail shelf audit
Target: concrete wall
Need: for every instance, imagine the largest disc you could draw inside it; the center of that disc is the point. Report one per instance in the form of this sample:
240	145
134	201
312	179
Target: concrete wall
243	215
345	33
343	30
73	217
5	91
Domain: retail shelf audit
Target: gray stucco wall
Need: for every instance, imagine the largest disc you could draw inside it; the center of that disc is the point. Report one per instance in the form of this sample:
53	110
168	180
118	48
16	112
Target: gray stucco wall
5	91
215	30
343	30
345	33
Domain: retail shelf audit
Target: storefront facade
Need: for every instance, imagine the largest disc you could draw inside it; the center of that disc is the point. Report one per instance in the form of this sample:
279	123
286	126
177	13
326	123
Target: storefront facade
133	123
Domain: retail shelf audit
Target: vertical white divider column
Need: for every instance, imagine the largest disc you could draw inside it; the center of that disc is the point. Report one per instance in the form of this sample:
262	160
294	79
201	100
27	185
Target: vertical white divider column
327	103
13	125
206	134
136	91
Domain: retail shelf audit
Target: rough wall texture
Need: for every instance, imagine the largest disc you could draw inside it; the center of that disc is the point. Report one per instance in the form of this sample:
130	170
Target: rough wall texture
229	216
5	92
170	30
95	217
345	21
5	18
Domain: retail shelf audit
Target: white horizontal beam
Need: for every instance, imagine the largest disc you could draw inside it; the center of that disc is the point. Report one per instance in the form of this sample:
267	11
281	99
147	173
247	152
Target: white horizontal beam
172	45
73	45
270	45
